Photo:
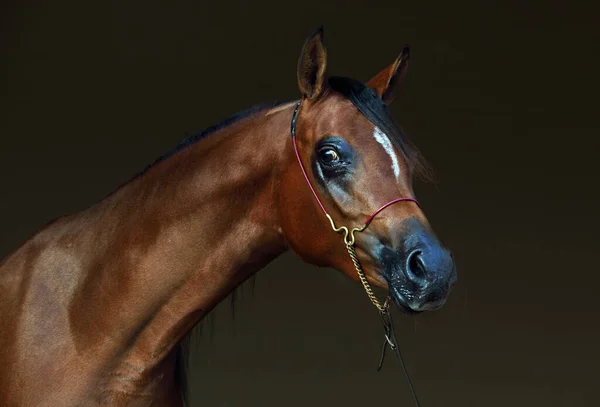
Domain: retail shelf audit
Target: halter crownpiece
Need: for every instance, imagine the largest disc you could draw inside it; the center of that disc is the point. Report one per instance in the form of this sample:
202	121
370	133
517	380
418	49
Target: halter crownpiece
349	240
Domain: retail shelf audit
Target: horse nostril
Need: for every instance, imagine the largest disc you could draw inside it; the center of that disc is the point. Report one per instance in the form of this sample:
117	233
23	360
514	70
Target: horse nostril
415	268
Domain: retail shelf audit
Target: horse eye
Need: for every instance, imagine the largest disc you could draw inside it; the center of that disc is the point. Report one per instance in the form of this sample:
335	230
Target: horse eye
328	155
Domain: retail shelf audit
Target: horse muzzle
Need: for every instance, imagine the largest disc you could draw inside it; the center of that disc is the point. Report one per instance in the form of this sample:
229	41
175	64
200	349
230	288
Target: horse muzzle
420	272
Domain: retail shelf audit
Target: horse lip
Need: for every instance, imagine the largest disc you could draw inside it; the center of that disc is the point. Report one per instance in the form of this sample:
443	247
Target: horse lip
401	302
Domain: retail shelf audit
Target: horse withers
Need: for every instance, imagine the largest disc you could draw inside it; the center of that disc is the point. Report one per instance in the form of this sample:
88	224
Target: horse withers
94	307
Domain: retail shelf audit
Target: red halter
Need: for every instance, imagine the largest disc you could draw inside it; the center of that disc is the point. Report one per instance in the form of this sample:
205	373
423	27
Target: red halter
368	221
390	336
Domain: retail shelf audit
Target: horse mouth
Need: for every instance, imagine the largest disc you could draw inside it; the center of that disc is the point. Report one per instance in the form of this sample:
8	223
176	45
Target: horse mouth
401	302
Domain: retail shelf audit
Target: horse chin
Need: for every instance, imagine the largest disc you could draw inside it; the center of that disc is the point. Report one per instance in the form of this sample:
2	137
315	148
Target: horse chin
401	303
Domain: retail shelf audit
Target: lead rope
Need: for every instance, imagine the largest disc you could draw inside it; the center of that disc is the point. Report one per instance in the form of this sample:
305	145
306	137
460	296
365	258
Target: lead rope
390	339
384	311
349	240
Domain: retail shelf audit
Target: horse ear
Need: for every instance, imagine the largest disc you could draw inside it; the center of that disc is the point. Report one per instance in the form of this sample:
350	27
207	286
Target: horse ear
312	66
385	82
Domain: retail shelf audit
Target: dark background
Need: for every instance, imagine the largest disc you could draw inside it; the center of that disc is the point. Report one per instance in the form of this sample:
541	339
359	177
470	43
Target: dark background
500	96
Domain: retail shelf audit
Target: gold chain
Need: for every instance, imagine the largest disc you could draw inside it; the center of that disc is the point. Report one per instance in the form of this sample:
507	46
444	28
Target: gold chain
363	278
349	241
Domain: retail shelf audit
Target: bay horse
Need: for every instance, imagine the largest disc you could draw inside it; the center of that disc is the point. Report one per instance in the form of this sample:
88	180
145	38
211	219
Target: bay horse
94	306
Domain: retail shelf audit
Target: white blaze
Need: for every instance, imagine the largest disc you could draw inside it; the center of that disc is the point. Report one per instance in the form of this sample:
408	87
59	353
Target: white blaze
387	146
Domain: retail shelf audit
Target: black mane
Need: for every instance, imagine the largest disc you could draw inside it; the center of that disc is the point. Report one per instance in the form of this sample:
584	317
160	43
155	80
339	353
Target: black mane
362	97
212	129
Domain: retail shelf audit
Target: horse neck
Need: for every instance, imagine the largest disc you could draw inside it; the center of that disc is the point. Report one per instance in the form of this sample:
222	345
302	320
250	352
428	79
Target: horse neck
177	240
